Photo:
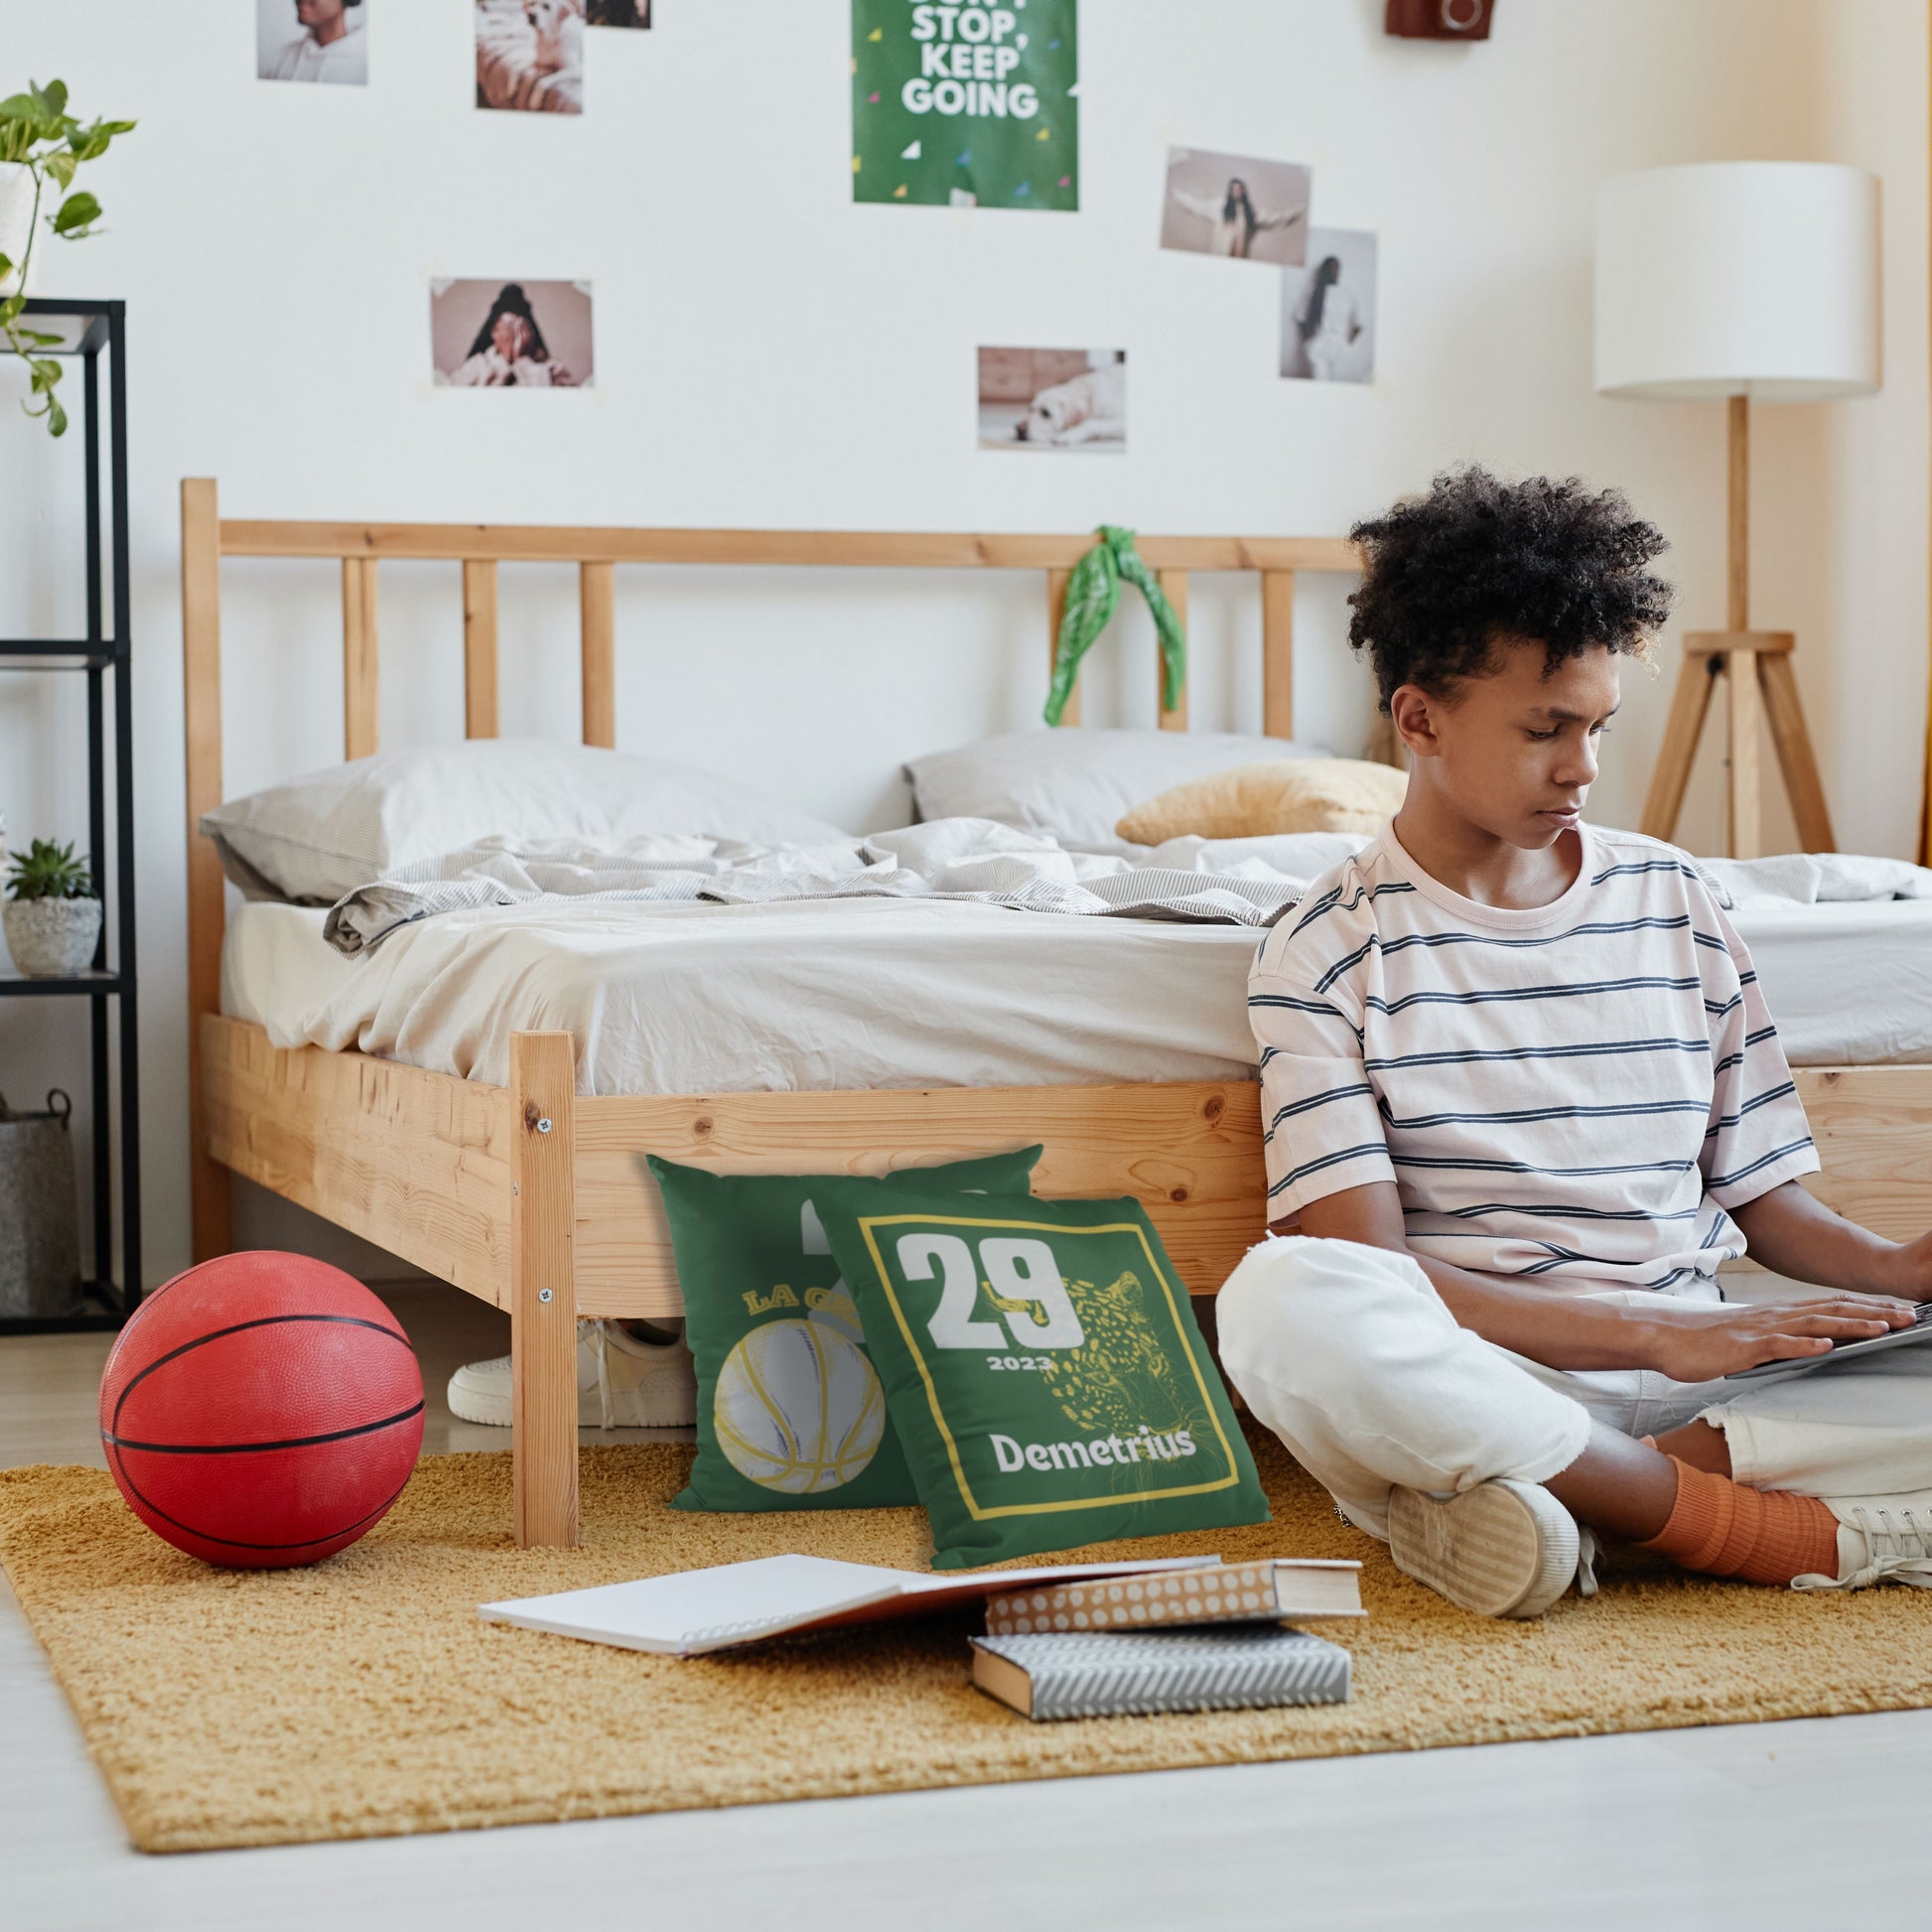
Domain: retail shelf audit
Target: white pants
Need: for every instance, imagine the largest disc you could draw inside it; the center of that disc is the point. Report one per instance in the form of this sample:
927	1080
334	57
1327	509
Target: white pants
1348	1354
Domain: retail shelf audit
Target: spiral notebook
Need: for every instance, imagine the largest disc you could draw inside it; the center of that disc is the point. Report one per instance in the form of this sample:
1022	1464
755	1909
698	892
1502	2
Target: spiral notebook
692	1611
1138	1673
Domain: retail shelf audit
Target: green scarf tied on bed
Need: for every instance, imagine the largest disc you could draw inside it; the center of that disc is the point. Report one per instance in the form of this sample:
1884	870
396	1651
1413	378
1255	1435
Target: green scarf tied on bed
1093	593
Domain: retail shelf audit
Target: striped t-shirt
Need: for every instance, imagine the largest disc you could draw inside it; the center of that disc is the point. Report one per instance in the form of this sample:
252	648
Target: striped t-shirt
1576	1091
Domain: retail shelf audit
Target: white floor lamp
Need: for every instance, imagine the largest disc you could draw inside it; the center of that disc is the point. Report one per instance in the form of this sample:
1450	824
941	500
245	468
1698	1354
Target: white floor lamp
1756	281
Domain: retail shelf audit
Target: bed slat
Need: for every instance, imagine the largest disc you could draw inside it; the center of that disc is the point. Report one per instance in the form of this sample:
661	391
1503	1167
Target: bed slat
598	598
479	647
901	549
358	657
1278	652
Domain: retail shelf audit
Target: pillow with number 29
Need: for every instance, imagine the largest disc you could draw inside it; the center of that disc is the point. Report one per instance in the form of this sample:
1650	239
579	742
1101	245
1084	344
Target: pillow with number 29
1043	1372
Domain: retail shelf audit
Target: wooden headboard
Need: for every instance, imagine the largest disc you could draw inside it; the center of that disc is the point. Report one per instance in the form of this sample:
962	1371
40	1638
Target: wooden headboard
207	537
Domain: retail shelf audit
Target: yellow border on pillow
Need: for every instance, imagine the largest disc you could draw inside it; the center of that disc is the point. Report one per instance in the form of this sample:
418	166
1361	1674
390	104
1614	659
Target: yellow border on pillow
979	1514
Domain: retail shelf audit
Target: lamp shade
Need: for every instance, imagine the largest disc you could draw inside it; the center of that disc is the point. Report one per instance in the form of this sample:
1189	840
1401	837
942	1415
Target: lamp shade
1738	278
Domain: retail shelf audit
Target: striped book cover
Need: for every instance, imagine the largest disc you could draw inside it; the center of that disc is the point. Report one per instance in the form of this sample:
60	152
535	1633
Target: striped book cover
1121	1673
1233	1593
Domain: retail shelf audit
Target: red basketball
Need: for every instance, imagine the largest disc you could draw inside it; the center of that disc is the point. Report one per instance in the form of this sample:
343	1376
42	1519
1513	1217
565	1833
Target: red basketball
261	1411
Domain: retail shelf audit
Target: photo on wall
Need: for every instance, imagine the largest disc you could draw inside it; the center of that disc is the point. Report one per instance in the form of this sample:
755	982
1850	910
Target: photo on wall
1328	308
530	56
312	40
1233	204
968	105
1053	399
619	12
495	335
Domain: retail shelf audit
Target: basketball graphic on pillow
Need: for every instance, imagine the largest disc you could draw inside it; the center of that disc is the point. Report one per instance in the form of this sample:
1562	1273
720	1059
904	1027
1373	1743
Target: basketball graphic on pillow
797	1408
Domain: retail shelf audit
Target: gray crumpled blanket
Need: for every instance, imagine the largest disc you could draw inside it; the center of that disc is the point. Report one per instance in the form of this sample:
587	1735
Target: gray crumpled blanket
1244	882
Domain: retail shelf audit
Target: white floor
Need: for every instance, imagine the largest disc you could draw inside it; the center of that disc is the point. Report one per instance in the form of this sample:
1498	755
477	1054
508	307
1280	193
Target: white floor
1819	1823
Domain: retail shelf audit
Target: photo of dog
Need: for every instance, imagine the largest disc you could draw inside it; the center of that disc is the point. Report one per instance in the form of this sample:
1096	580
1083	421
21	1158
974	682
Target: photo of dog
557	28
1072	399
530	56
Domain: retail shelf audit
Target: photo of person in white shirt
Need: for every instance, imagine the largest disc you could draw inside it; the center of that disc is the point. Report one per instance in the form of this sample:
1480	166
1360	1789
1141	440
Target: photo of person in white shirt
1328	310
329	41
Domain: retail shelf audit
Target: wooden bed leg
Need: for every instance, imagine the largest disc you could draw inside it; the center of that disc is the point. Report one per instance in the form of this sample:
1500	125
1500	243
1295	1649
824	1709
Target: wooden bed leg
543	1291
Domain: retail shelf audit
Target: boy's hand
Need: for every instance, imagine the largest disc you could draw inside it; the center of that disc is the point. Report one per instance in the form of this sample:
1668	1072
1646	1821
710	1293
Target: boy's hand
1910	1270
1696	1343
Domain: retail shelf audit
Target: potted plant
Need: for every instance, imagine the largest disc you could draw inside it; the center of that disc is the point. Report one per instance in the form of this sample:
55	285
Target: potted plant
42	146
53	917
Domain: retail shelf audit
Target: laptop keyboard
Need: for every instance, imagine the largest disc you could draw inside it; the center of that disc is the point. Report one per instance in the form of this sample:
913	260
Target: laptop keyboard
1921	1318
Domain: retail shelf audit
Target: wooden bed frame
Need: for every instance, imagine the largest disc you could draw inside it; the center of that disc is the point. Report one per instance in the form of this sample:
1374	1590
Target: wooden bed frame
537	1200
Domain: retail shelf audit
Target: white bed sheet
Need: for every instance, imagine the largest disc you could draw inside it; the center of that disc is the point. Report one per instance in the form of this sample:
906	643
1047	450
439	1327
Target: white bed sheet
890	993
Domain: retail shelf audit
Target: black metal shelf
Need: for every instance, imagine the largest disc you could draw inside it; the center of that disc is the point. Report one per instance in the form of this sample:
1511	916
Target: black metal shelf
87	329
98	983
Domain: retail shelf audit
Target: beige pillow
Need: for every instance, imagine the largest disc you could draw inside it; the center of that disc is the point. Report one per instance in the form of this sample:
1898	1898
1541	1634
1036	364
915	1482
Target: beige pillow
1281	795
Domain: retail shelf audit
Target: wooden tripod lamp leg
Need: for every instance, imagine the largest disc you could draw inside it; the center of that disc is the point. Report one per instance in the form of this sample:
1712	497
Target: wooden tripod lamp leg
1683	728
1747	780
1786	718
543	1290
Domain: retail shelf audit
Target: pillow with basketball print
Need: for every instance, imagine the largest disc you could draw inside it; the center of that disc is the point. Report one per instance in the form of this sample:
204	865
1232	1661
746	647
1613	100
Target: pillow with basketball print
1044	1370
790	1414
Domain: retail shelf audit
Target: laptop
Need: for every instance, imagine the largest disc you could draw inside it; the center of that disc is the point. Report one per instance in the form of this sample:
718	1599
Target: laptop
1898	1337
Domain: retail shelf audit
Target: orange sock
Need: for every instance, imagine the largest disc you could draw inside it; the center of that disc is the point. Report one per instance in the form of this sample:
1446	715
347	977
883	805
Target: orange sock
1763	1536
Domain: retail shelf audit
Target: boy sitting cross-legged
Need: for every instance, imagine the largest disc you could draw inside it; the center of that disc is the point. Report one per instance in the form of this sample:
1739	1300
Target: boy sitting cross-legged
1522	1097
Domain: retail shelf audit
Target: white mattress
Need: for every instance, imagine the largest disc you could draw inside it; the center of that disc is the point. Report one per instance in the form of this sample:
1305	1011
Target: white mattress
892	993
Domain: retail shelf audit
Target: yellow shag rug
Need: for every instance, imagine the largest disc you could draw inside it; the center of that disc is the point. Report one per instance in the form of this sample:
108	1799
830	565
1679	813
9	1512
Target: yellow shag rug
364	1697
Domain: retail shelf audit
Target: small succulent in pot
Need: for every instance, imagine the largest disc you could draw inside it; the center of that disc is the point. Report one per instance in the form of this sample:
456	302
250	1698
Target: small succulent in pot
52	914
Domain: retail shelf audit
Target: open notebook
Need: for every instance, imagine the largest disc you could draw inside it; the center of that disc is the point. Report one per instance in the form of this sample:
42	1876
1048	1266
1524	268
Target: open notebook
695	1610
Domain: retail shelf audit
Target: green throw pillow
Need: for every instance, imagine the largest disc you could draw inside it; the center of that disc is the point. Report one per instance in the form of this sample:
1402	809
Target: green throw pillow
789	1410
1043	1372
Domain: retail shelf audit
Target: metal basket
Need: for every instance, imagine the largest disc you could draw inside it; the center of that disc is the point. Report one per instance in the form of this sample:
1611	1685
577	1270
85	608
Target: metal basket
39	1220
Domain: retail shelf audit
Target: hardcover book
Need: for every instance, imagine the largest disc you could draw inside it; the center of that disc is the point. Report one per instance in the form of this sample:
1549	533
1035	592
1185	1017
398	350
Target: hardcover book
1121	1673
1271	1589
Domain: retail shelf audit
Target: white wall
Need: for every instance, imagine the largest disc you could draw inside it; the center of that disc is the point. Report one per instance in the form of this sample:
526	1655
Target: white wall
770	355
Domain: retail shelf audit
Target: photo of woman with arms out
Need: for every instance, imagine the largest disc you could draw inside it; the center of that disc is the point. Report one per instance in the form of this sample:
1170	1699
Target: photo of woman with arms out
1236	218
1237	207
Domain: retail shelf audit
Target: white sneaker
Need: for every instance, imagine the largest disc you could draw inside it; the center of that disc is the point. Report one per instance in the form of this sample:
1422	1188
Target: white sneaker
1880	1539
622	1383
1501	1549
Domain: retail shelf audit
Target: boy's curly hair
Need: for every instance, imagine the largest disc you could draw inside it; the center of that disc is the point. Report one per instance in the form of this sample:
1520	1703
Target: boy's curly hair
1478	559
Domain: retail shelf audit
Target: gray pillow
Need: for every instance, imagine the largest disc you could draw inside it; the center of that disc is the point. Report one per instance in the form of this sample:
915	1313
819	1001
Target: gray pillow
1075	783
317	837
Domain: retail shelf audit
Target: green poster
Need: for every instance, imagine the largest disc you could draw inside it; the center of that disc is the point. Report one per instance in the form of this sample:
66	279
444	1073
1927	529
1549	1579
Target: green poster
974	102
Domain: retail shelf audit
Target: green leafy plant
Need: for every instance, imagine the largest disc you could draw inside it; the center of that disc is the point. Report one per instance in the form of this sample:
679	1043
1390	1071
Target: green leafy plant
48	871
38	132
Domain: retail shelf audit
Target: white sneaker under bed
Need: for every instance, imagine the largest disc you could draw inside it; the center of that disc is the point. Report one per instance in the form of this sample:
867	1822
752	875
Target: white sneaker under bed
1880	1539
1501	1549
622	1383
